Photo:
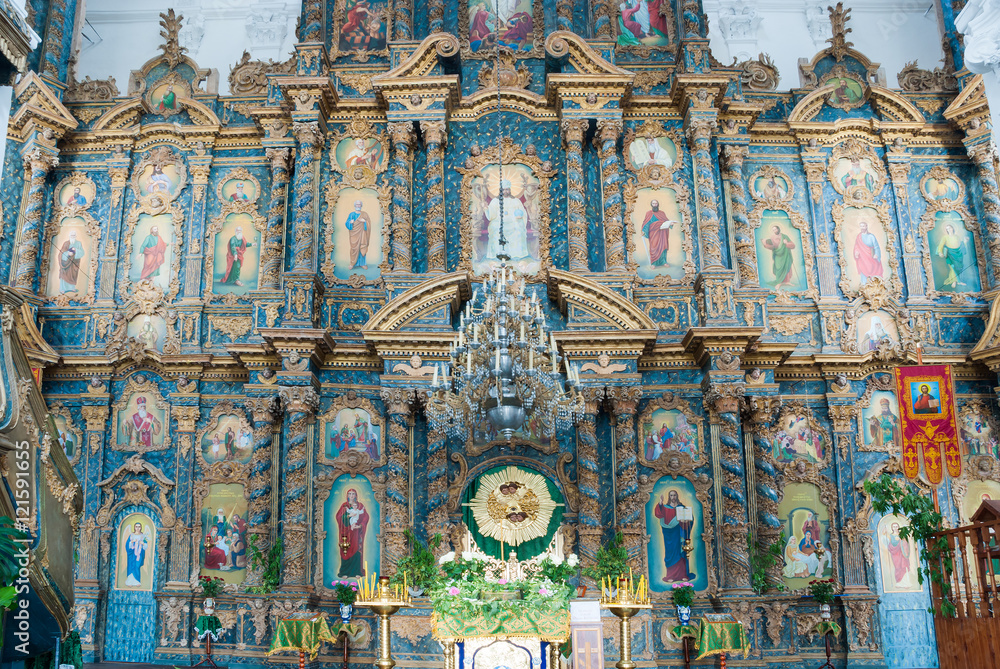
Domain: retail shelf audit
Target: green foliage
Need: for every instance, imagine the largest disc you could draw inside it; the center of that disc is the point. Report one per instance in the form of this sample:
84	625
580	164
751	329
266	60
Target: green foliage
468	597
267	562
610	560
11	545
346	591
682	594
761	560
211	586
558	572
822	590
937	560
420	566
463	567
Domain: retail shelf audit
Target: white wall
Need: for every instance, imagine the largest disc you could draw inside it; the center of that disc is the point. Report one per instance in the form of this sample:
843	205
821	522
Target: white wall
215	32
890	33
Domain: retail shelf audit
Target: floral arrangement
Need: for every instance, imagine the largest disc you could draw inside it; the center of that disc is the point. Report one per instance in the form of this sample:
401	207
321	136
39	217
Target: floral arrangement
683	594
346	592
558	570
211	586
464	566
822	590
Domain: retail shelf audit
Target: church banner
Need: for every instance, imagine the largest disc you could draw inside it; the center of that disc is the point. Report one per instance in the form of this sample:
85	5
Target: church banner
927	397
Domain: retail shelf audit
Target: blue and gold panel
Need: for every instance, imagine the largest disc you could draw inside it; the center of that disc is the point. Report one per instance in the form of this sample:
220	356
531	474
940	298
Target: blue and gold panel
351	519
136	553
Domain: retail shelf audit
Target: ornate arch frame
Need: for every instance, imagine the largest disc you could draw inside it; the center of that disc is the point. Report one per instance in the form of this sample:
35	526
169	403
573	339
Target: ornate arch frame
876	297
357	178
885	219
135	492
225	408
145	385
684	468
798	407
215	228
360	128
801	471
875	382
58	409
226	473
59	214
361	55
322	488
842	72
666	464
928	222
509	154
856	148
352	462
799	222
657	178
651	130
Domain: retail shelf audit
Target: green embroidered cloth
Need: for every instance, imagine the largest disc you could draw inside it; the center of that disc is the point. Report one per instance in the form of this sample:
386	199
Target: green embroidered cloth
350	629
304	635
548	626
825	626
209	626
690	631
721	636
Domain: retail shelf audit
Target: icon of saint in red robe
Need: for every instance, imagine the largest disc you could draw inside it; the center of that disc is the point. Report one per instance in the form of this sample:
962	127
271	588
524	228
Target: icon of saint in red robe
675	533
352	526
656	232
867	254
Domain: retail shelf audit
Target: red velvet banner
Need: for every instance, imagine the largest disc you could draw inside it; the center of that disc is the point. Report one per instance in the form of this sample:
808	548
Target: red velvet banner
927	411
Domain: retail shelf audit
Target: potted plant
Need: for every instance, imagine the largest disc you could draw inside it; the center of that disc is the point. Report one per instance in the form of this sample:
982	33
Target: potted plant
822	591
211	586
683	596
347	594
419	569
610	562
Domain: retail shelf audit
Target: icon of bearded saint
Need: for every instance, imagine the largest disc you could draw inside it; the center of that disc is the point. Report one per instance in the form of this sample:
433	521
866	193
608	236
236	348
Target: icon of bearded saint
141	427
512	505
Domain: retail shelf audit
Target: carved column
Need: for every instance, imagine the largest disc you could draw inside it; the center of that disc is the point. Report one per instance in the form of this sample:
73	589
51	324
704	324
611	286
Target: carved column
300	404
92	453
309	143
734	155
396	514
118	166
201	166
765	493
437	484
435	15
614	233
403	21
271	252
436	137
187	416
843	413
37	164
899	172
983	156
403	139
814	164
265	415
573	132
591	528
723	401
699	133
628	505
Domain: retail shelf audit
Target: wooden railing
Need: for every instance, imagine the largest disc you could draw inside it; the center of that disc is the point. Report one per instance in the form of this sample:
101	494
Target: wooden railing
969	637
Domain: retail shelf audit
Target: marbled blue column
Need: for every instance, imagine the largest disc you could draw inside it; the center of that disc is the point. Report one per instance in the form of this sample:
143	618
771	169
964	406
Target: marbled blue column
590	528
724	410
734	155
437	484
396	510
37	165
990	203
403	139
699	129
435	136
310	142
628	506
300	404
271	254
573	132
614	233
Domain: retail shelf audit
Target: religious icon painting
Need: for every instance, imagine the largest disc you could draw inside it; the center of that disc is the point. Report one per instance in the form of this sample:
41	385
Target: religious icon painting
229	440
352	430
806	554
781	263
235	191
954	263
142	421
136	553
71	252
941	187
224	532
644	151
879	423
644	23
357	232
854	172
771	186
511	23
354	152
977	430
798	437
899	559
365	25
864	248
67	435
674	521
666	431
876	329
153	248
76	193
237	256
351	520
520	191
149	330
659	233
159	179
977	492
848	90
165	97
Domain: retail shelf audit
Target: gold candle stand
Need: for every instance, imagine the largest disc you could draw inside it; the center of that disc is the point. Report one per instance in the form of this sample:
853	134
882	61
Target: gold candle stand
384	606
626	603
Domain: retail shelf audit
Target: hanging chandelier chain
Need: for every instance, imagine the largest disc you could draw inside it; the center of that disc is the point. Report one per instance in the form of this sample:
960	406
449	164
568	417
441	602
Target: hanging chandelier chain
496	75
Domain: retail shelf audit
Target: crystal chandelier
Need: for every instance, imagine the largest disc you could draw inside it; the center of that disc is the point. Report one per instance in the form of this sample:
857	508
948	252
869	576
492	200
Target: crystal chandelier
504	369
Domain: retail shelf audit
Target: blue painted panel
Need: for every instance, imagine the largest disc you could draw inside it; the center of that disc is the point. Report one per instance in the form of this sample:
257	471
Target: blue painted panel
125	641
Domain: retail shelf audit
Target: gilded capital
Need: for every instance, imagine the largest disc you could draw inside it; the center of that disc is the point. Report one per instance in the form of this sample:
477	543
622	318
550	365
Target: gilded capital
302	399
399	401
841	416
403	132
96	417
186	416
734	155
609	129
724	397
574	129
37	159
435	132
624	399
307	135
762	409
279	159
263	409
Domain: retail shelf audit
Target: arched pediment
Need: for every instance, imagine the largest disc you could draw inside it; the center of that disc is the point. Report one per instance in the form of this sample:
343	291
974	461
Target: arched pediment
420	304
130	113
567	289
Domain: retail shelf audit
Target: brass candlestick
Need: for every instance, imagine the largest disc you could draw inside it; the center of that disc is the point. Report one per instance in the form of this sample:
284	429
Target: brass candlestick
629	599
383	605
